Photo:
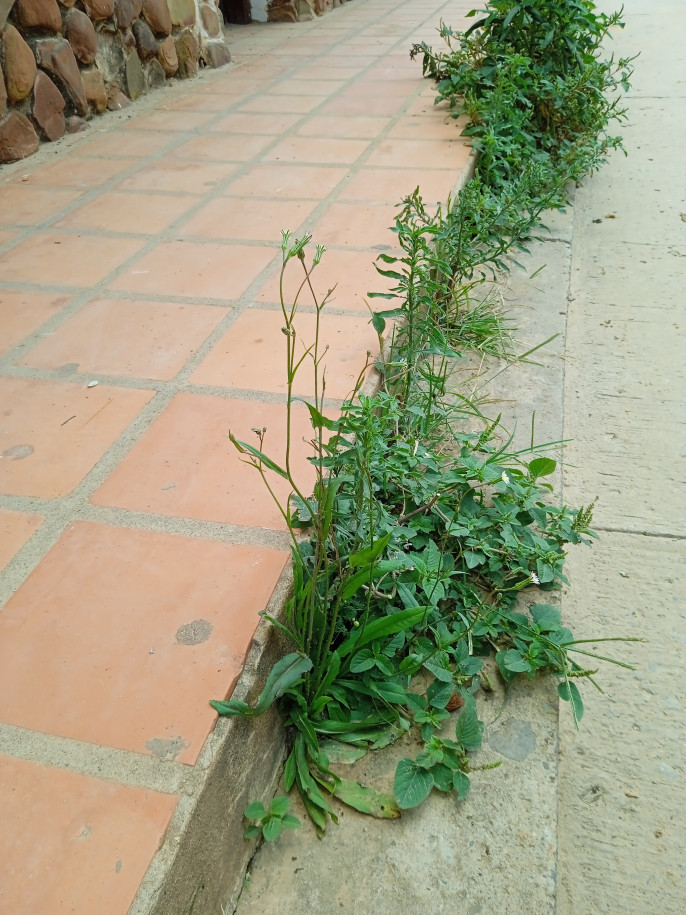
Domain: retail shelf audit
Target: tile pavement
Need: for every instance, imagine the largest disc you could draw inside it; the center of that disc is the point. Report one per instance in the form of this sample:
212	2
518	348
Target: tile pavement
136	550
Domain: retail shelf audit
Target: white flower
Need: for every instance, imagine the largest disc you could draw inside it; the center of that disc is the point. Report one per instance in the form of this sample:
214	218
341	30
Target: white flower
505	478
535	579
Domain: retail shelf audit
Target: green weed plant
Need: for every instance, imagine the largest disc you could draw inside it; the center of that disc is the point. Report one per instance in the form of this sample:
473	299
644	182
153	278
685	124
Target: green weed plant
425	527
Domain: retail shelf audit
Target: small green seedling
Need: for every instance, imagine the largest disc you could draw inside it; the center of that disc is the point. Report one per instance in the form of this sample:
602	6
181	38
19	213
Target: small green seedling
269	823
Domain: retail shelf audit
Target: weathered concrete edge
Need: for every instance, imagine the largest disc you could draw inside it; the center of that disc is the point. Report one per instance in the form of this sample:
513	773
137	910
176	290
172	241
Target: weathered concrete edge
201	864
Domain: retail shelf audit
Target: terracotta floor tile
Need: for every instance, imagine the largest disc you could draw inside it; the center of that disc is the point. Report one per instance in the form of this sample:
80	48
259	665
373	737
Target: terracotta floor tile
372	85
283	180
7	236
252	353
54	432
419	154
295	86
415	127
196	269
175	121
322	73
351	272
117	143
118	337
360	225
186	466
179	177
72	843
360	57
105	685
360	104
15	529
25	204
256	220
198	100
246	122
391	185
361	128
221	148
128	213
315	150
81	172
278	104
54	259
23	312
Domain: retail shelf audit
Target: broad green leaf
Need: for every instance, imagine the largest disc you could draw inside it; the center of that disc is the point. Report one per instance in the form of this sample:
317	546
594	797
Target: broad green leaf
272	829
290	822
442	777
569	691
541	467
438	670
232	707
461	784
338	752
367	556
284	674
366	800
252	832
392	692
547	618
512	660
412	784
255	811
378	323
469	729
362	660
381	629
279	806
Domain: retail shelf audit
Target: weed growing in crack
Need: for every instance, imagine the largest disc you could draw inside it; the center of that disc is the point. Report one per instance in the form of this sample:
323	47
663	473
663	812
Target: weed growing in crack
424	527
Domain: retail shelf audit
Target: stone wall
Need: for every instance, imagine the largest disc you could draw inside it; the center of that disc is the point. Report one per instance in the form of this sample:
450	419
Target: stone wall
63	62
297	10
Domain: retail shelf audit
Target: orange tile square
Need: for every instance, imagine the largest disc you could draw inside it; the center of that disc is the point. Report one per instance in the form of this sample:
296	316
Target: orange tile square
347	128
279	104
119	337
221	148
25	204
117	143
297	86
129	213
317	151
391	185
23	312
418	154
173	121
359	225
418	127
198	100
283	180
16	528
53	433
255	220
194	602
196	270
179	177
186	466
72	843
358	103
318	73
78	172
247	122
55	259
352	273
251	354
